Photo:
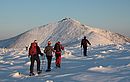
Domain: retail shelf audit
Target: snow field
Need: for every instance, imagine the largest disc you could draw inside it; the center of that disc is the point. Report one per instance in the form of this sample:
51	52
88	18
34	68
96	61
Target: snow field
109	63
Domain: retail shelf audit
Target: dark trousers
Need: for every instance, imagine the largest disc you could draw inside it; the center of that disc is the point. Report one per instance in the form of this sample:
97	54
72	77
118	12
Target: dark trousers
85	51
33	58
49	58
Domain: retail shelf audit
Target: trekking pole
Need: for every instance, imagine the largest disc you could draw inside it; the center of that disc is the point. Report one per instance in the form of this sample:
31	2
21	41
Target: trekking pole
81	51
43	62
89	50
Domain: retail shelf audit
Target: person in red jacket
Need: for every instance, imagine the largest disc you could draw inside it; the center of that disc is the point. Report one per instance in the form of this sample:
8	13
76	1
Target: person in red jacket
58	47
34	52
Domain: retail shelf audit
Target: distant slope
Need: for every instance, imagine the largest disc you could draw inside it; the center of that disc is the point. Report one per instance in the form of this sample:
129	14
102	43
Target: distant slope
68	31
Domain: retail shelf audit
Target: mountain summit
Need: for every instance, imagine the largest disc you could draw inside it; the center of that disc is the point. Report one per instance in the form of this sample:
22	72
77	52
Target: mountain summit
68	31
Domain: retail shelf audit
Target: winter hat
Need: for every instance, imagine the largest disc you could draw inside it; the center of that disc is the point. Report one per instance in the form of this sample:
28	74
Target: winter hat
49	42
58	42
35	41
84	37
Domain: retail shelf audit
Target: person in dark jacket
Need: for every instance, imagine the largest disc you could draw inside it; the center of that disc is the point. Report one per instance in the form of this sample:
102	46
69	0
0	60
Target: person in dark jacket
34	52
85	43
58	47
48	51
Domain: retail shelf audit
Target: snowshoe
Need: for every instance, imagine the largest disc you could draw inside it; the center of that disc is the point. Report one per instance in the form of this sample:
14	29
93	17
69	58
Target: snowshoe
31	74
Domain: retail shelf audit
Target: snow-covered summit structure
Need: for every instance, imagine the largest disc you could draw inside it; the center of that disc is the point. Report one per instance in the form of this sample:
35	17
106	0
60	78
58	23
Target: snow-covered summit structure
68	31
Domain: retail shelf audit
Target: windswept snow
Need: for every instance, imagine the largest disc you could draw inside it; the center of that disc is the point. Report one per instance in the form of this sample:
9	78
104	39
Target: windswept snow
102	69
109	63
16	75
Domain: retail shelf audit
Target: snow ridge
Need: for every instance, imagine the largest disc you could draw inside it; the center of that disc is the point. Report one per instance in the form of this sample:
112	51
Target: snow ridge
68	31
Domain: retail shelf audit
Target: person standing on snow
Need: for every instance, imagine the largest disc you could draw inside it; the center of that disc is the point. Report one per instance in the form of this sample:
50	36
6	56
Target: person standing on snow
58	47
48	51
34	52
85	43
26	48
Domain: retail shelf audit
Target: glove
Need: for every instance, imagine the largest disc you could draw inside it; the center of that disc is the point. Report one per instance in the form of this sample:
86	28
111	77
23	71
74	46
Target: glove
28	56
41	54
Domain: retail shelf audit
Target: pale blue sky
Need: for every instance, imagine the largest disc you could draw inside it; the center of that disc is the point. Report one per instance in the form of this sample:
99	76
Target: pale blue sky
18	16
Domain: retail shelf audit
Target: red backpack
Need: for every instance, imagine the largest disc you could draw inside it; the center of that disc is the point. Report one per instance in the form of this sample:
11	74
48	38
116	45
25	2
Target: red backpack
33	49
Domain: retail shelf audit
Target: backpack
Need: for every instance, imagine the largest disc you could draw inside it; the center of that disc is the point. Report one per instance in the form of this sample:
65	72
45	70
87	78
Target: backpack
48	50
57	47
84	42
33	49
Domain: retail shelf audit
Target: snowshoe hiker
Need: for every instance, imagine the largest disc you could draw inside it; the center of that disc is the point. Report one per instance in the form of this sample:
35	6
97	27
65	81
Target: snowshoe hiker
48	51
34	52
26	48
58	47
85	43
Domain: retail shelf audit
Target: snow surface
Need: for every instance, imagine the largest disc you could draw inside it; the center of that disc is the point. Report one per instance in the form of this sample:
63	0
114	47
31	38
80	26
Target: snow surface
109	63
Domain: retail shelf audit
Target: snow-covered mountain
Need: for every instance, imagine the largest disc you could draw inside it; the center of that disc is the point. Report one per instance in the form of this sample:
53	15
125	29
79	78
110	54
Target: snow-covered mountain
68	31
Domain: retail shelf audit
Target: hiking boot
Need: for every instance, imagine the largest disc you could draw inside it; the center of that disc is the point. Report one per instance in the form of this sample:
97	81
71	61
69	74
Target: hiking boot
58	66
38	72
48	70
85	55
31	74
